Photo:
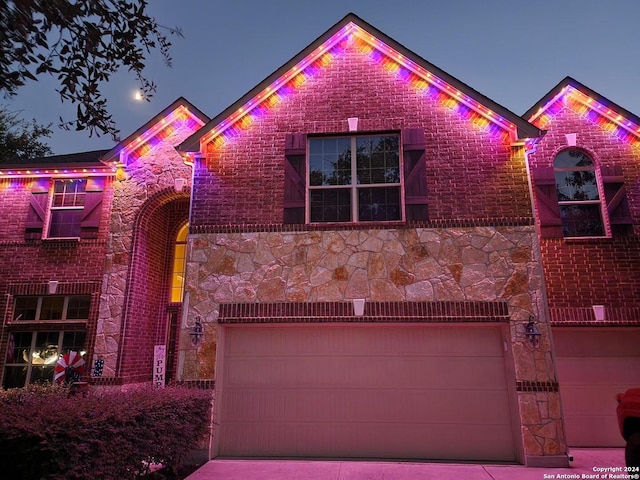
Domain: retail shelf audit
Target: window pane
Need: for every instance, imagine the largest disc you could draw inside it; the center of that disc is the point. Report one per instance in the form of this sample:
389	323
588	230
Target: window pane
572	158
581	220
42	373
51	308
14	377
331	205
379	204
46	349
73	341
69	193
65	223
329	161
19	347
378	159
25	308
577	185
78	308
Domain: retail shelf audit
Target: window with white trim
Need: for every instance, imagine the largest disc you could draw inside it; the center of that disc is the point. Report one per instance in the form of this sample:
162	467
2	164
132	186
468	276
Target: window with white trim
354	179
67	205
579	195
43	329
32	356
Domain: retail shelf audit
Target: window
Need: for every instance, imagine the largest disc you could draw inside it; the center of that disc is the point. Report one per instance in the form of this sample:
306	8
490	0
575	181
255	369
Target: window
32	356
64	208
179	265
354	179
579	197
67	207
52	308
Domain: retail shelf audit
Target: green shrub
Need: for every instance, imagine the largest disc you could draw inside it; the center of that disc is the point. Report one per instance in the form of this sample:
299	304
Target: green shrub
107	434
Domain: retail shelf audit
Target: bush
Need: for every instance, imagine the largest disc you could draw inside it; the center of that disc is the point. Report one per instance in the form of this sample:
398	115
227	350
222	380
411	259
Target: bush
108	434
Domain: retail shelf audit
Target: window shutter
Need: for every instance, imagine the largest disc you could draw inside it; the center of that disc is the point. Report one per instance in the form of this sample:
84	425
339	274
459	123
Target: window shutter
90	220
37	211
544	184
415	174
295	178
615	195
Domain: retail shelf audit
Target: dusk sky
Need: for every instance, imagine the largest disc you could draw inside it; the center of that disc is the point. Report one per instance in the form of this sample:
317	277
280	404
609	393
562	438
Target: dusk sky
513	51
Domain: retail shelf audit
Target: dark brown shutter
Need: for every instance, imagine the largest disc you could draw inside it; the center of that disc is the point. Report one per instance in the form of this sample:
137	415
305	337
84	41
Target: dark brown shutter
415	174
37	211
544	184
615	195
92	211
295	188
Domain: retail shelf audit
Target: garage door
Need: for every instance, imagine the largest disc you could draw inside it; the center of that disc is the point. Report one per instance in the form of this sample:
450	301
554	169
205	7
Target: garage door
396	391
593	366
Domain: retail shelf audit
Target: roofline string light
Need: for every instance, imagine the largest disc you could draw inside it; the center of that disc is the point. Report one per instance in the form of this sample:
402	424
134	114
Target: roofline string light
587	107
160	131
57	172
390	59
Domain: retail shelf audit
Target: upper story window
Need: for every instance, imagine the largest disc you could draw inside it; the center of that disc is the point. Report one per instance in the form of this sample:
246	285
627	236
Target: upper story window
354	179
579	195
65	208
179	265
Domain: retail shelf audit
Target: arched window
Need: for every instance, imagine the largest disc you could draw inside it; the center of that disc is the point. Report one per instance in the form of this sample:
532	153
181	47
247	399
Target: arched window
179	265
579	196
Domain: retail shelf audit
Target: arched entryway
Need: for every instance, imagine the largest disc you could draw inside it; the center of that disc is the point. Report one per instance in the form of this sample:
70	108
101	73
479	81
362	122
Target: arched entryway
150	313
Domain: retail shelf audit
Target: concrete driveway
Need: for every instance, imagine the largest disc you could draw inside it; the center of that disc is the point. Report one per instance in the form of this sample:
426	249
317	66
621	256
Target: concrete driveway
588	463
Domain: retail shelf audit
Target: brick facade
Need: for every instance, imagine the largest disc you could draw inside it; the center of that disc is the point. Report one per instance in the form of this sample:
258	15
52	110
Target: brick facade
478	257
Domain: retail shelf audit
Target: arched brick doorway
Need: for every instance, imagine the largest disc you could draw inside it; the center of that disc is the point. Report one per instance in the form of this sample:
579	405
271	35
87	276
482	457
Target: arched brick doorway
149	315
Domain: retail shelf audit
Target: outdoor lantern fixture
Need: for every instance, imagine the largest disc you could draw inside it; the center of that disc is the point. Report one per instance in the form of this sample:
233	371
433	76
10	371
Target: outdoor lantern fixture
196	332
532	332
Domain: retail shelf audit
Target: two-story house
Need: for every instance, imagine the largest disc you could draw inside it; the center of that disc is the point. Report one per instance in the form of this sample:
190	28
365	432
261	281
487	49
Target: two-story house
367	257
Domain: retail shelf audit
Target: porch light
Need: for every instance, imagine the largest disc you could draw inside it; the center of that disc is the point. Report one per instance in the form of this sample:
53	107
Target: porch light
532	332
196	332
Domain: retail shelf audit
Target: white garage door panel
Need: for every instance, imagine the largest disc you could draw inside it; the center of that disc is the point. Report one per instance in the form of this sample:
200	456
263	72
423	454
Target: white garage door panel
593	366
368	440
358	405
365	391
409	372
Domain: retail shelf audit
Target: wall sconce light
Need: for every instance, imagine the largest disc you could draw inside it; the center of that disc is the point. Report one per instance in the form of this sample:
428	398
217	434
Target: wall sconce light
353	124
196	332
52	287
358	306
532	332
178	184
121	175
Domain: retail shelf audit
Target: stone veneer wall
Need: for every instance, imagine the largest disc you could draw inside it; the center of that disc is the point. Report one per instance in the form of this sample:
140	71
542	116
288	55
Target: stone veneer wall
385	265
148	185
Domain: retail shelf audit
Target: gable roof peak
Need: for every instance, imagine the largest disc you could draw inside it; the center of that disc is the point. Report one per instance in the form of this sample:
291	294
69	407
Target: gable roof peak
408	65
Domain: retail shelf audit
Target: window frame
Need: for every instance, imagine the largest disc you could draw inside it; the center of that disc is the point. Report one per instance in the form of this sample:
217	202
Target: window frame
30	365
354	187
51	208
38	312
599	184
